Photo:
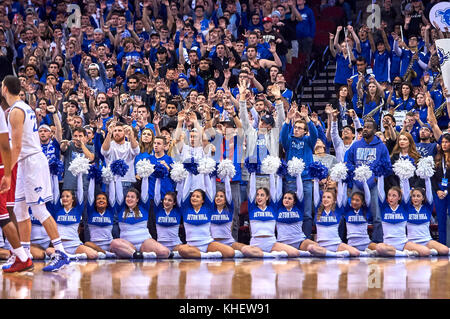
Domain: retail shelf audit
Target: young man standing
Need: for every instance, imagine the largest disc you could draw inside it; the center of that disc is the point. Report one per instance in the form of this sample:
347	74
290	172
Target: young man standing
33	187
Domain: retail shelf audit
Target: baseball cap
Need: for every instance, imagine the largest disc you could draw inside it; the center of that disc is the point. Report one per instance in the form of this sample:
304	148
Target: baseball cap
98	30
161	50
428	126
267	19
276	13
268	119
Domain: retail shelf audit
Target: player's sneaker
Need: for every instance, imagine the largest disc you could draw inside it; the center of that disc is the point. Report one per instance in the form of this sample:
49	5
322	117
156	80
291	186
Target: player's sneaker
19	266
9	262
59	260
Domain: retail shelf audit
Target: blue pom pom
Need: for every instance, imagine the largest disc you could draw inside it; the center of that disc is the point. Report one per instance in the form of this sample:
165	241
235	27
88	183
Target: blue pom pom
318	170
95	173
381	168
350	175
214	172
56	166
191	167
283	169
119	167
252	167
160	171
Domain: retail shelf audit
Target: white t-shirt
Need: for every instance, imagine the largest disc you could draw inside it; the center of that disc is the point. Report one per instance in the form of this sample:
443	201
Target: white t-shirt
125	152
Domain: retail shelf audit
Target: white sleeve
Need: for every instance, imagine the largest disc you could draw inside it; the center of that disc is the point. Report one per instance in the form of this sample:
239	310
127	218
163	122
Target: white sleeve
429	190
380	187
3	125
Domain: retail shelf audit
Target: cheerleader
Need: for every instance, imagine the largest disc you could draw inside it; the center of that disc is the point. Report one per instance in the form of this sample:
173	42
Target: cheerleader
394	217
168	219
222	218
290	221
197	210
419	211
67	209
355	214
135	240
100	216
330	209
262	212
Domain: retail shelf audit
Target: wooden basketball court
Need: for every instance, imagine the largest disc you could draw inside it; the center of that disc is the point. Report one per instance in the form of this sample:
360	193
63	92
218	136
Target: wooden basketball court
301	278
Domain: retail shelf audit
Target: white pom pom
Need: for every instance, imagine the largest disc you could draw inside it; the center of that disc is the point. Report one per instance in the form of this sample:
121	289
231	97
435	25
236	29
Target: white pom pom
425	167
144	168
403	168
79	165
178	172
226	168
206	165
270	165
107	175
296	166
338	172
362	173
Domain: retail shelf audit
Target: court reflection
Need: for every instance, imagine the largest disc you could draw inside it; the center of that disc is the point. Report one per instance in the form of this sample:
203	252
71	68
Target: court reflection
305	278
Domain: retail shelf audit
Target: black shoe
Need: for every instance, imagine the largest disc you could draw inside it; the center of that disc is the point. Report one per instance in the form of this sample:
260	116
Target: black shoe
138	255
170	255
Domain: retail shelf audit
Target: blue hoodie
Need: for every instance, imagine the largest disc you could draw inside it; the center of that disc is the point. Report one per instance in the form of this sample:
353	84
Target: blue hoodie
300	147
307	27
362	153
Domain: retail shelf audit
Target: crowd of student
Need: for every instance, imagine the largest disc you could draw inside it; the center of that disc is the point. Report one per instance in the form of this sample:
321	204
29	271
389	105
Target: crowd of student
180	81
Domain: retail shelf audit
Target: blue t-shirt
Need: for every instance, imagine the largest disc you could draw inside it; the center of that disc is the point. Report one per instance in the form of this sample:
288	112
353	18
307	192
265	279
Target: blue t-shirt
421	217
286	216
381	66
393	217
255	213
132	218
226	216
193	218
167	220
100	220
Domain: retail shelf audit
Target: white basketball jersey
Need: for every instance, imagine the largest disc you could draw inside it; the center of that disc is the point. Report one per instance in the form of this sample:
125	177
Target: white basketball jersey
30	138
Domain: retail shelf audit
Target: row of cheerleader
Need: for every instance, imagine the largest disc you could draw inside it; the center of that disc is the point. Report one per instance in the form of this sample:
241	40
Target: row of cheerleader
206	212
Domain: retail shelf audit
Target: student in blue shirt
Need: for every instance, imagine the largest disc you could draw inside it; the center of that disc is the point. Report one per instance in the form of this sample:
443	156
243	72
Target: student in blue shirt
406	101
344	66
382	58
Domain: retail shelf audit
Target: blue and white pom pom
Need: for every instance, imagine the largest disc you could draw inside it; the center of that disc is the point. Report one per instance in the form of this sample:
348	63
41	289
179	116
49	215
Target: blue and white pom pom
362	173
192	166
252	167
160	171
295	166
95	173
318	170
79	165
270	165
425	167
339	172
226	169
178	172
144	168
119	167
107	175
403	168
56	166
283	169
206	165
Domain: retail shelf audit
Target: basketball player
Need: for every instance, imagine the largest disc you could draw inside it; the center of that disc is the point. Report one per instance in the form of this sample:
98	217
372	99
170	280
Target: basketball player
20	260
33	187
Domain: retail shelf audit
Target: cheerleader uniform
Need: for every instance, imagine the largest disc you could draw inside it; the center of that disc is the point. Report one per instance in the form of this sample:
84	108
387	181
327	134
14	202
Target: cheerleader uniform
356	223
100	226
221	224
418	225
133	228
289	224
167	226
393	222
197	224
221	221
262	223
68	222
327	229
